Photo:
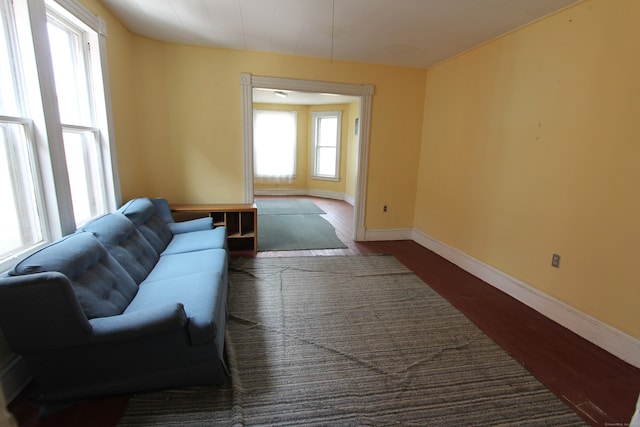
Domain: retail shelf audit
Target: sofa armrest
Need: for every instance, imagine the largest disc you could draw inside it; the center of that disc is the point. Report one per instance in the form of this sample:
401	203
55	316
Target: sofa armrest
151	321
164	210
40	311
191	225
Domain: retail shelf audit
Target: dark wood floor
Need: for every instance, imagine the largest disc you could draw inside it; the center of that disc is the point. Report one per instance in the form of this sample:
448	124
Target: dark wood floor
601	388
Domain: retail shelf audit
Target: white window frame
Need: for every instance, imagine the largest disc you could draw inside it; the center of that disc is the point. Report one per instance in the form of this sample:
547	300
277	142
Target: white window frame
91	32
29	187
316	116
23	151
37	89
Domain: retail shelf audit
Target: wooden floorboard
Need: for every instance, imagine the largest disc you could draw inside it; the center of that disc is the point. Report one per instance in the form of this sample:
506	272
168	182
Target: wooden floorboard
598	386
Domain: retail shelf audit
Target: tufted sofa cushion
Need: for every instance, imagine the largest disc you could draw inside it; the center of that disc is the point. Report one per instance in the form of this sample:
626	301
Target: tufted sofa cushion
102	286
144	216
202	292
125	243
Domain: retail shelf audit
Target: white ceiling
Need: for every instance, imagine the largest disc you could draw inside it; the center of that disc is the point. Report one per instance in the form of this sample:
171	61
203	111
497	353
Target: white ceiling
411	33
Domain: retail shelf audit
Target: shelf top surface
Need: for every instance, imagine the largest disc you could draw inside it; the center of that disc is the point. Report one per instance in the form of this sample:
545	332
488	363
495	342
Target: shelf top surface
213	207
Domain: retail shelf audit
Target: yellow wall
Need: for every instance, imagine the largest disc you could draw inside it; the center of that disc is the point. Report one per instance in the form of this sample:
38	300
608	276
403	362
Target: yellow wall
188	100
531	146
178	121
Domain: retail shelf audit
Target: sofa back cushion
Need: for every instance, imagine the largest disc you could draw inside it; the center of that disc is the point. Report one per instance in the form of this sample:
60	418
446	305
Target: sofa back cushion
102	286
144	216
163	208
125	243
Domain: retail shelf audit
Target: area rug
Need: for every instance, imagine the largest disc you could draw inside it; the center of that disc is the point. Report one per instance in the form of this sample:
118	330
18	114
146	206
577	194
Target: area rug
352	341
296	232
287	206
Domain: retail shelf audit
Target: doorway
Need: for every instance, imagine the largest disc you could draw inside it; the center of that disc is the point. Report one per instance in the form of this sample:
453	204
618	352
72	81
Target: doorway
363	92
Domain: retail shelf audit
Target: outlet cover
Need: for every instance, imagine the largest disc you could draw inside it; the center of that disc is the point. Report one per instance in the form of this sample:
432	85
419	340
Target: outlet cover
555	261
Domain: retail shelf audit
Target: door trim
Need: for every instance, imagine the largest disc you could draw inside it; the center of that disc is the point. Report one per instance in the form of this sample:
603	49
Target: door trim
365	91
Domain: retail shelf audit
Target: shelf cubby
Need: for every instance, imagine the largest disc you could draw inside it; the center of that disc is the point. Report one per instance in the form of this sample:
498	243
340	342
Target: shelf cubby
241	221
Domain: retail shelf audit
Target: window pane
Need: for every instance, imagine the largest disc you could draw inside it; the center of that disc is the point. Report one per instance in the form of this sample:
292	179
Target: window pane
275	136
20	223
9	96
326	144
71	73
327	131
326	161
85	177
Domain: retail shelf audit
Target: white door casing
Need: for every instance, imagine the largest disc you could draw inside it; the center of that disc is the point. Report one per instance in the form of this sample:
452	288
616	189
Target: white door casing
365	91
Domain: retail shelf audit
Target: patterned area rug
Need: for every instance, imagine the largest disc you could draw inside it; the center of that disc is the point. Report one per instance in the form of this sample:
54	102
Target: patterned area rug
287	206
296	232
290	224
352	341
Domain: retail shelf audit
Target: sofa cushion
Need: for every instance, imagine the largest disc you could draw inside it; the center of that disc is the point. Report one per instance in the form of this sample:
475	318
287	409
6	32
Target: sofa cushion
199	293
184	264
102	286
125	243
144	216
163	208
197	240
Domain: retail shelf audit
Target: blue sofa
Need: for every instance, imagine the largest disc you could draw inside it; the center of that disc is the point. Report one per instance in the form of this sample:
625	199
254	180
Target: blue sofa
130	302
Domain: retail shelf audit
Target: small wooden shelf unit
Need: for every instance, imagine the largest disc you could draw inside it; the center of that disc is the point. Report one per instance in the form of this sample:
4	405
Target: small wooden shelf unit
241	221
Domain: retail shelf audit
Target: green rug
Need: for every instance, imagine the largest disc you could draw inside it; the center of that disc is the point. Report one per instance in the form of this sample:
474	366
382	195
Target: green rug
296	232
352	341
287	206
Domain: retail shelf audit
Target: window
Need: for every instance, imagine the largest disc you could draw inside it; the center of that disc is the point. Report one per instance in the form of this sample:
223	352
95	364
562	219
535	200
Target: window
57	166
21	220
71	45
10	70
325	131
84	165
275	139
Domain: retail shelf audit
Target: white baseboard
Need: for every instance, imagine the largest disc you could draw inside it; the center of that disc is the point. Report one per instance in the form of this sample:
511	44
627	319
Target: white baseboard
280	192
616	342
302	192
350	199
388	234
326	194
